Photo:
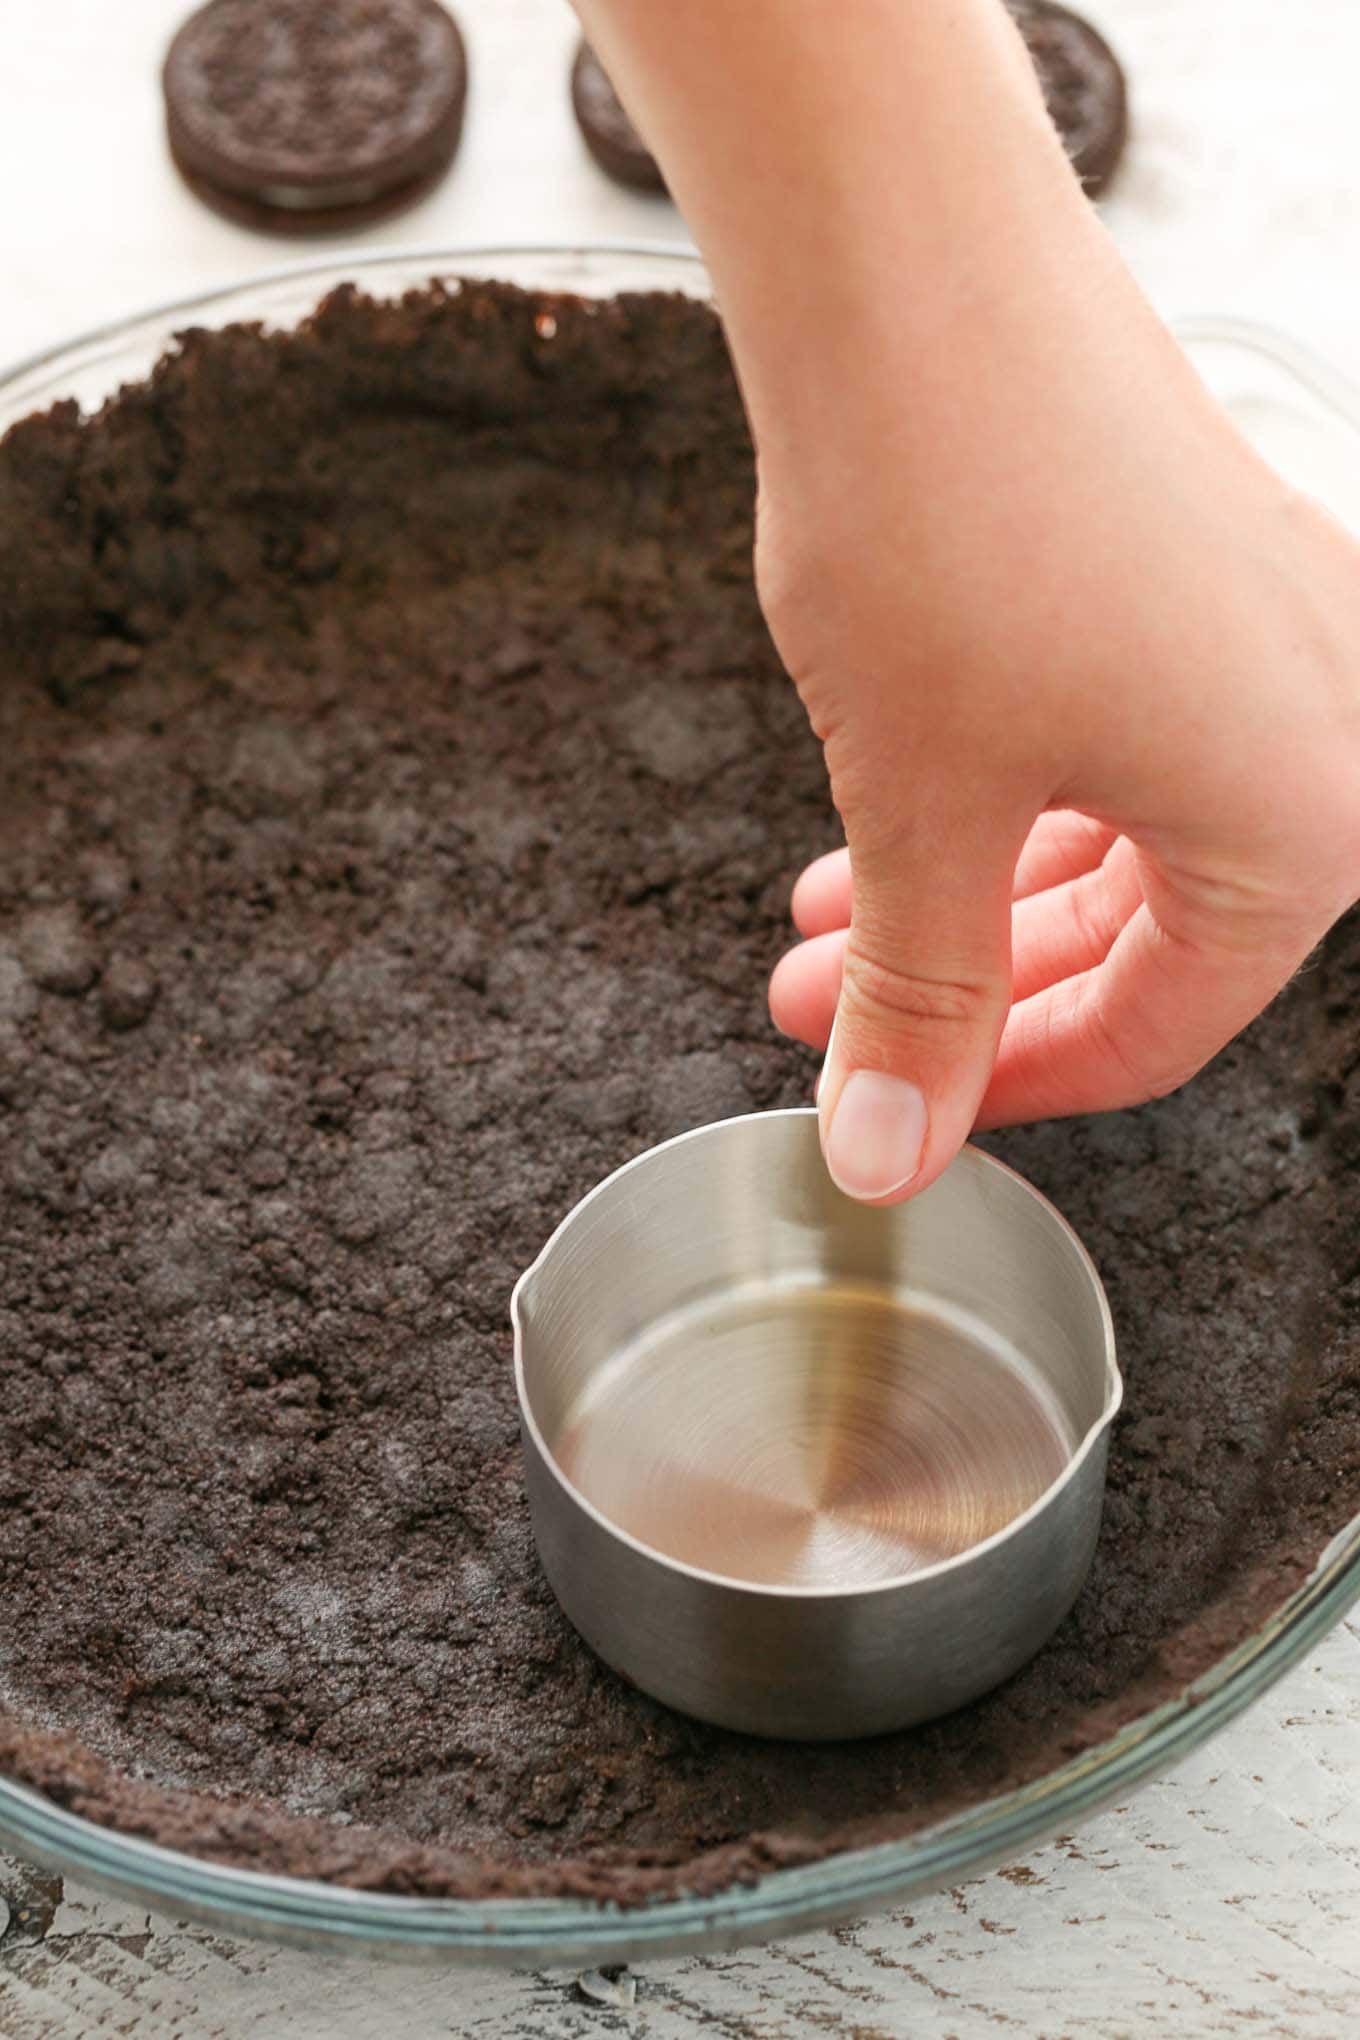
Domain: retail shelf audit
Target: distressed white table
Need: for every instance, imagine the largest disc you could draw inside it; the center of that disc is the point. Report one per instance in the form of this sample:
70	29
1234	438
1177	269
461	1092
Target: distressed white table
1225	1896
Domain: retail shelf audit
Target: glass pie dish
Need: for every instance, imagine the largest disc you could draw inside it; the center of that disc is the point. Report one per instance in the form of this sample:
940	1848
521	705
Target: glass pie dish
1306	420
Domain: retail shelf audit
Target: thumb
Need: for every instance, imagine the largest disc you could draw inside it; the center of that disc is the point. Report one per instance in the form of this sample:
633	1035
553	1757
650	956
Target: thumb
923	1001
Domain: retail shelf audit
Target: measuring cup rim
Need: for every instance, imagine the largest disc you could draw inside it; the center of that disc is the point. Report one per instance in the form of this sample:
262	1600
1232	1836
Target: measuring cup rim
898	1582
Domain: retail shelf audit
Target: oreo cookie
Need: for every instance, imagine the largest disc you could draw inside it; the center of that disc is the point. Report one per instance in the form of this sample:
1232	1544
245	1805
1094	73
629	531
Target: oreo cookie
1083	86
305	116
608	132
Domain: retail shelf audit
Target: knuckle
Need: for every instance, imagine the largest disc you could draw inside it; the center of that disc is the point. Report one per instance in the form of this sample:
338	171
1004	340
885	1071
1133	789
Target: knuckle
1139	1080
1147	1075
1095	924
910	999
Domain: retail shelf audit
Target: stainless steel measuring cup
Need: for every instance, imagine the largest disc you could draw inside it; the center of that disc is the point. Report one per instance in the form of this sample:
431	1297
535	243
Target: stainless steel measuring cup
803	1467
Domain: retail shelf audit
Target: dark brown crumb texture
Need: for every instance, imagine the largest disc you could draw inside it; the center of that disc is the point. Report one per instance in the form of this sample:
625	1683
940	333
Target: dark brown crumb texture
399	799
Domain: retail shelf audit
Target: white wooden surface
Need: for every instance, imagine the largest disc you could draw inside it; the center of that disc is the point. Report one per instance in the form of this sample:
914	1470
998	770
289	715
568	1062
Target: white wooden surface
1224	1897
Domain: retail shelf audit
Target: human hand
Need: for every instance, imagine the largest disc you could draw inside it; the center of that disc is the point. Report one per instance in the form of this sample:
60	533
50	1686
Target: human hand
1086	673
1093	726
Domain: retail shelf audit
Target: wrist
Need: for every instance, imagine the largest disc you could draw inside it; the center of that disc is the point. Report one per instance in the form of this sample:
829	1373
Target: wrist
866	184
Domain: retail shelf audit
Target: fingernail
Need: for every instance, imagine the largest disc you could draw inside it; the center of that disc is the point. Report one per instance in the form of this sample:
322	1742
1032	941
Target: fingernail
877	1134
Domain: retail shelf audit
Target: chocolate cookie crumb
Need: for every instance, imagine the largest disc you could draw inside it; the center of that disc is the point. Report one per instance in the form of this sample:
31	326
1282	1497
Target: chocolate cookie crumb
56	950
127	992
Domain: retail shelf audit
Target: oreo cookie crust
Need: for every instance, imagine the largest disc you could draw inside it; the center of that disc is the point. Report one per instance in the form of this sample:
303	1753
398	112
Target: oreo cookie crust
301	116
399	798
